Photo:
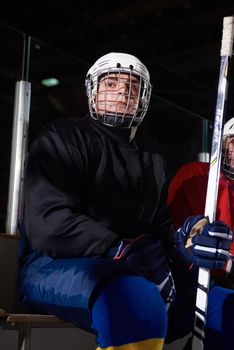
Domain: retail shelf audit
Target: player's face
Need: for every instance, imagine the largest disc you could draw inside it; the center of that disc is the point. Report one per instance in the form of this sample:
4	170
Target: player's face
118	93
229	146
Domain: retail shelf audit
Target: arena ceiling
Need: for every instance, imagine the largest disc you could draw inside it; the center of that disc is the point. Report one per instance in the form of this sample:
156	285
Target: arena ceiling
178	40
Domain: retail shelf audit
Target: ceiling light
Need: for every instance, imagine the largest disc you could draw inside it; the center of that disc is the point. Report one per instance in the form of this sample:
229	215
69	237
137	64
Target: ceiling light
50	82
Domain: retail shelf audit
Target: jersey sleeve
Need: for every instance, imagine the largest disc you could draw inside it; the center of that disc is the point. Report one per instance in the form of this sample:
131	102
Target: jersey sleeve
54	191
187	192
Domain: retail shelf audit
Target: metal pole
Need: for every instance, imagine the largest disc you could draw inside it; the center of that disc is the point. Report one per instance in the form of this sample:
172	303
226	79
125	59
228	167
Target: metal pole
19	143
18	153
204	156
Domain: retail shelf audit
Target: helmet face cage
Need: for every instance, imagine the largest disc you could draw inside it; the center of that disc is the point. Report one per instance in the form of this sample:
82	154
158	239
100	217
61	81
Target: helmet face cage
116	77
227	161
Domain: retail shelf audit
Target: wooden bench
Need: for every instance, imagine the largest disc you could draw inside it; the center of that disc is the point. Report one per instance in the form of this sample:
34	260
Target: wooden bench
24	323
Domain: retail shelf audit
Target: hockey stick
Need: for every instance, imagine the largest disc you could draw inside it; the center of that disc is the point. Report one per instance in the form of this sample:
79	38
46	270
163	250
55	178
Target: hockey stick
213	179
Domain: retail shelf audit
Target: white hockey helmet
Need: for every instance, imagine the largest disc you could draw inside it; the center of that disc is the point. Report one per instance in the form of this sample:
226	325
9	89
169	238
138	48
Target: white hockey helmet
227	156
228	128
120	63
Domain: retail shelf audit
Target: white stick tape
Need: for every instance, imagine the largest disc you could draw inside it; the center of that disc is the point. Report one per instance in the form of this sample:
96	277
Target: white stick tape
227	39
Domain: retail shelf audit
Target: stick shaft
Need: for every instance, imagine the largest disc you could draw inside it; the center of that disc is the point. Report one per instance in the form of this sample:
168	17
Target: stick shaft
213	179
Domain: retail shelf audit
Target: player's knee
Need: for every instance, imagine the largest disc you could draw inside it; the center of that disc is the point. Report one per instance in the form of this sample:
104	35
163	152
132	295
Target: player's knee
129	308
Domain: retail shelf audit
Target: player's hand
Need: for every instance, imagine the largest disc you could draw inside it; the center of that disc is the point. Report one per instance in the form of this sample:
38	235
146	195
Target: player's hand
139	253
211	247
182	239
146	256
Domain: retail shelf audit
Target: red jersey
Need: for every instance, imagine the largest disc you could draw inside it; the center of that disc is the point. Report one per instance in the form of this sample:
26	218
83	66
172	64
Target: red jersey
187	195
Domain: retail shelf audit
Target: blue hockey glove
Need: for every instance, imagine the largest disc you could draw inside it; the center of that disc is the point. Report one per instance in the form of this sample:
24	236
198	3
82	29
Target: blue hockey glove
180	252
146	256
211	247
142	253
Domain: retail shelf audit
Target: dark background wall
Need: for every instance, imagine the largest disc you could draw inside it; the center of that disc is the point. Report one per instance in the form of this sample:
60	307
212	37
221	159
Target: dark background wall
179	41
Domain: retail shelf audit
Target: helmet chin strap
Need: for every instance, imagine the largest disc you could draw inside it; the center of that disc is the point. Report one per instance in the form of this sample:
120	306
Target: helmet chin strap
132	128
133	133
116	120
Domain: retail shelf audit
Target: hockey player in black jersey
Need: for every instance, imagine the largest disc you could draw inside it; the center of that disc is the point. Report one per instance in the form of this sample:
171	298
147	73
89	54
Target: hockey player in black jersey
99	248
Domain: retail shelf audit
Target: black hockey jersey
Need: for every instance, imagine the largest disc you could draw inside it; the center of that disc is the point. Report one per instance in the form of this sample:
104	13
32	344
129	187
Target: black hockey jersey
87	184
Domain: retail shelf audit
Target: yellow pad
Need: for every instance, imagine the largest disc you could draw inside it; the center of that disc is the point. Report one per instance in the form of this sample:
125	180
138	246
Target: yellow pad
148	344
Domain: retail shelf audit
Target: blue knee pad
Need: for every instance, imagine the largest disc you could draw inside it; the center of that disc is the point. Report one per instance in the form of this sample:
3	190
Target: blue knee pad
220	320
128	309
